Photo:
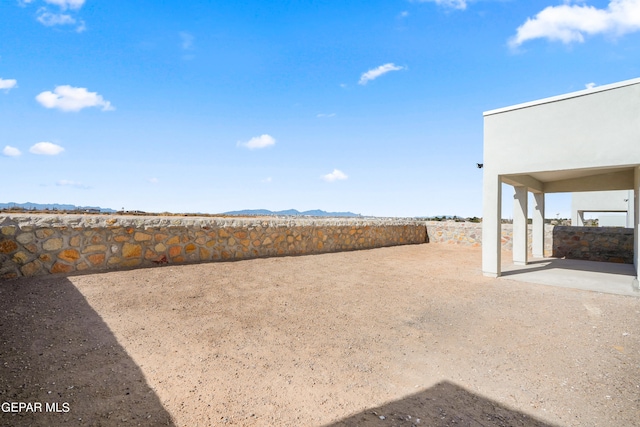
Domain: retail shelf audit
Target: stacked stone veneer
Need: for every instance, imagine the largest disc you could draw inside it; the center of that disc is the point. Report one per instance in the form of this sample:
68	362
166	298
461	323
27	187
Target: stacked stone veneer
612	244
470	234
32	245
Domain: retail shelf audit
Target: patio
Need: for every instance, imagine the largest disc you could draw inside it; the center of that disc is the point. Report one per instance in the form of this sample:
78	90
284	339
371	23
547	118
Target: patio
606	277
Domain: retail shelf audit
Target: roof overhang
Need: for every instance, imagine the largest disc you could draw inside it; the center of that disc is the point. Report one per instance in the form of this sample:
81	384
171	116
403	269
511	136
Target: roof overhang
563	97
572	180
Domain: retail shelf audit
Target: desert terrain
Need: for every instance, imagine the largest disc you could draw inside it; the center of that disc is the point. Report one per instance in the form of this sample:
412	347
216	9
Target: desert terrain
401	336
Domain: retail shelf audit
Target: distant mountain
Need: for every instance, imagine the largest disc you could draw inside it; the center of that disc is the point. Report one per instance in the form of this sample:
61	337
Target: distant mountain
291	212
54	207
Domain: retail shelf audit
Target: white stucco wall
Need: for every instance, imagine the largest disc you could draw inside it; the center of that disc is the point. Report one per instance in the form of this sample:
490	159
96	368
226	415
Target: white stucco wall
587	129
603	201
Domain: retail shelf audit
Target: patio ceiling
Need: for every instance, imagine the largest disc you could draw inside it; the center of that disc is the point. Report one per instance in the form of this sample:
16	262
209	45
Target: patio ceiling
571	180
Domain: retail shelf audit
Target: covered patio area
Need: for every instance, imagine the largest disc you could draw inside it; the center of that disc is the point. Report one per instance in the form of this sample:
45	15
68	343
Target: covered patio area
605	277
581	141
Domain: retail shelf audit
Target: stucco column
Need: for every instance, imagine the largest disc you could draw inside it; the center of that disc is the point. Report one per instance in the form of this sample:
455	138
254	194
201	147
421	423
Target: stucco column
537	241
636	226
520	215
576	216
491	224
631	202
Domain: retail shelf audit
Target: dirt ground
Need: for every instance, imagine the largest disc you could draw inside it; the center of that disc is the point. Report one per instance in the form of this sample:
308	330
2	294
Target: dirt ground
402	336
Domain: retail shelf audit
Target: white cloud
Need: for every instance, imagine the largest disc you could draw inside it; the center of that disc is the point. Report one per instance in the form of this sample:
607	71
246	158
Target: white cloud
8	84
377	72
65	4
63	15
10	151
187	41
403	14
50	19
590	85
153	180
324	115
46	148
571	22
69	183
261	141
68	98
453	4
267	180
336	175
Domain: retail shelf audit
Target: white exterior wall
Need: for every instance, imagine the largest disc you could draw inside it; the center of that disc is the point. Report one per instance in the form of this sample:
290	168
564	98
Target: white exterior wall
587	129
602	201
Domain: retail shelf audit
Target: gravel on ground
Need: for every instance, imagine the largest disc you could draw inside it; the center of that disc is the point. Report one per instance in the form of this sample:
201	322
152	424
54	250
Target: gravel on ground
402	336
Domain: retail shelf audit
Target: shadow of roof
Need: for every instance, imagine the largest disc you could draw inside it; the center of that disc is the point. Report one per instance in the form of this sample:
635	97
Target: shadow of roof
55	348
444	404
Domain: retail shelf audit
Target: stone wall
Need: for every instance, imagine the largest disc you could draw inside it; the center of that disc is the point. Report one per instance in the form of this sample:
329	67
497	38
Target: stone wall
470	234
612	244
36	244
33	245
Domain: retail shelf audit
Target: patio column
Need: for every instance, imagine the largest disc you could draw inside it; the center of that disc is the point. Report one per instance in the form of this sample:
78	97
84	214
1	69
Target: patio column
491	224
631	208
636	226
538	226
520	215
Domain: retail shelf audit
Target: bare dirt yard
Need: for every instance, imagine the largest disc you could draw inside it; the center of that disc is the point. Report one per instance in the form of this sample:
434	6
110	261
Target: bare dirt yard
402	336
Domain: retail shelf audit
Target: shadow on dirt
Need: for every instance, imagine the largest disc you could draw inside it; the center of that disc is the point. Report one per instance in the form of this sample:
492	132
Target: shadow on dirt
57	354
444	404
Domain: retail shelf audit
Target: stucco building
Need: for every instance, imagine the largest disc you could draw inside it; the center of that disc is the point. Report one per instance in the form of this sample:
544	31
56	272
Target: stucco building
581	141
614	208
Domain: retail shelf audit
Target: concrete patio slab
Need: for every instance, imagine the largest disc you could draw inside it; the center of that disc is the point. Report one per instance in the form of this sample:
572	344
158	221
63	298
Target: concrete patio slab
605	277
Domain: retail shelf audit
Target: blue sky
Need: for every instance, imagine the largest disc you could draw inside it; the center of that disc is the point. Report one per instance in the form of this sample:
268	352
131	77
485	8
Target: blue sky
208	106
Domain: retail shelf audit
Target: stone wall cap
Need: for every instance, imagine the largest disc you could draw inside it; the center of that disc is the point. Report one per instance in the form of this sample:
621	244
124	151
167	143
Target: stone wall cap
100	221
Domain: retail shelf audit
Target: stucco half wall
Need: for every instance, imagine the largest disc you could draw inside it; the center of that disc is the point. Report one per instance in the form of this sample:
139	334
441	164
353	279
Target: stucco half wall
581	141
